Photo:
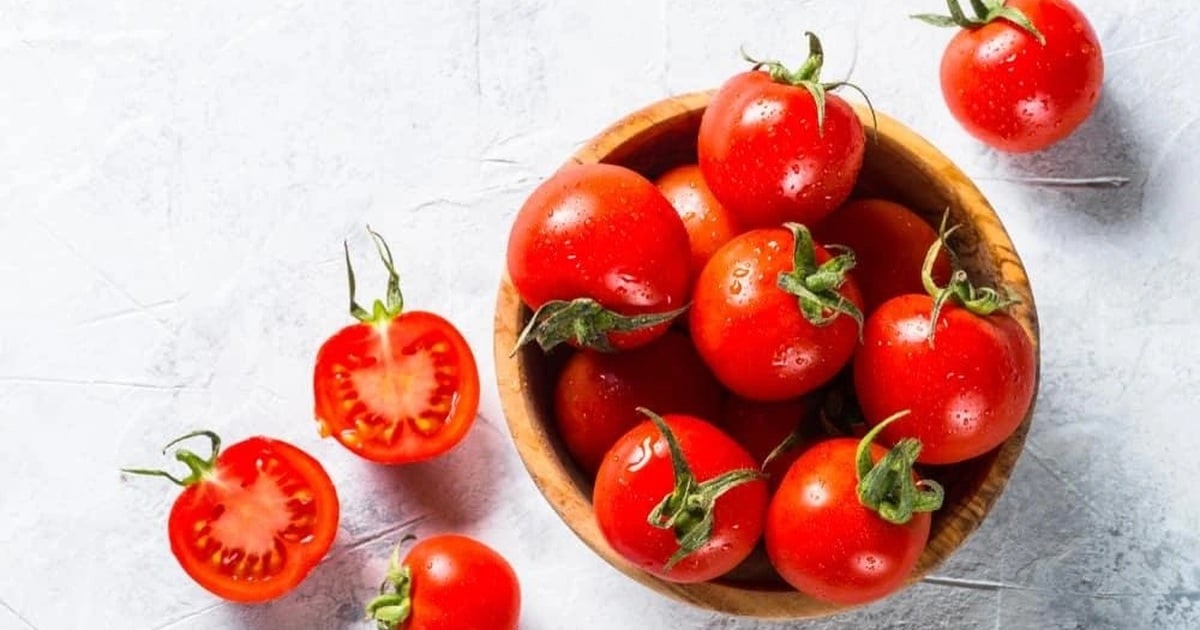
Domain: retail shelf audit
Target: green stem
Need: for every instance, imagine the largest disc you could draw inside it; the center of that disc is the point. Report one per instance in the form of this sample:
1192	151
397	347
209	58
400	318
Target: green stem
197	466
818	288
393	606
887	486
585	322
986	12
982	301
381	311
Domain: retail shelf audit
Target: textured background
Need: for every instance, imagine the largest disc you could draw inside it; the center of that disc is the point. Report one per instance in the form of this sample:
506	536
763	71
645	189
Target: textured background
176	179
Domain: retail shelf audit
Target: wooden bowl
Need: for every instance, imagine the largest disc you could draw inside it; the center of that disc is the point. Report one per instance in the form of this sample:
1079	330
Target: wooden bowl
900	166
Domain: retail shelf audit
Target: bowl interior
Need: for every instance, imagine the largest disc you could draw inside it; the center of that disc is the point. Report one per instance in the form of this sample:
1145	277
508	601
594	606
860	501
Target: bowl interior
899	166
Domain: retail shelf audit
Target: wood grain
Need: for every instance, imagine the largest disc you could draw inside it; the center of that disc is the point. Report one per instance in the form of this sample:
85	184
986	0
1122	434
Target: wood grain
899	165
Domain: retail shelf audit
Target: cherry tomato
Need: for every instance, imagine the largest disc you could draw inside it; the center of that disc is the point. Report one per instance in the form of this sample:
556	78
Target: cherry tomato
1014	92
827	542
398	387
680	499
449	582
968	391
889	243
253	520
709	224
771	153
754	335
603	234
597	394
776	430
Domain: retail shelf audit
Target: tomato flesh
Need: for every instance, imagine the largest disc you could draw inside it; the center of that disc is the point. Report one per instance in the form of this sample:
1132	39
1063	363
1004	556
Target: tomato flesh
255	526
397	392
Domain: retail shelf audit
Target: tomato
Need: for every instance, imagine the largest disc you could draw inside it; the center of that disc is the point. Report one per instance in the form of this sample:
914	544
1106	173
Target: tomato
601	256
448	582
253	520
889	243
771	430
680	499
1012	91
709	224
838	530
397	387
754	334
771	153
597	394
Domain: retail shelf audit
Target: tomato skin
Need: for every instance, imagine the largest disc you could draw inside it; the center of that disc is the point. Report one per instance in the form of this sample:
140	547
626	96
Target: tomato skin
230	491
637	474
760	427
1013	93
752	334
459	583
603	232
967	393
825	543
709	224
889	243
377	373
764	158
597	394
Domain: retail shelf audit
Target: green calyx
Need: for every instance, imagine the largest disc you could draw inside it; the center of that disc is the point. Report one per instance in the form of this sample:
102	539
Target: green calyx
887	486
393	606
198	467
808	77
585	322
818	287
688	509
986	12
380	311
982	301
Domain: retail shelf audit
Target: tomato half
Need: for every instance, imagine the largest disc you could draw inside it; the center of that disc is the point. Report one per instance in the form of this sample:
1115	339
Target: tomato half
646	516
1014	92
709	224
397	387
598	394
449	582
253	520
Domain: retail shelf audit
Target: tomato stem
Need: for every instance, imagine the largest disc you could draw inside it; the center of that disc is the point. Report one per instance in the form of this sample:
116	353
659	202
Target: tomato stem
887	486
585	322
380	311
986	12
394	604
688	509
981	301
817	287
198	466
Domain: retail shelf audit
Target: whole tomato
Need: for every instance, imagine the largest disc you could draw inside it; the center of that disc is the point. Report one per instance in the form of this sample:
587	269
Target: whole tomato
680	499
598	393
253	520
965	369
849	521
708	223
889	243
398	386
1023	74
774	315
775	146
448	582
601	256
774	433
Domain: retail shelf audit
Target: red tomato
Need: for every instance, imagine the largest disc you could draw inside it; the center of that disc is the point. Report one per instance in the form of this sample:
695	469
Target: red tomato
754	335
396	387
449	582
968	391
709	224
825	542
767	154
889	243
680	499
763	428
1016	93
605	234
598	394
253	520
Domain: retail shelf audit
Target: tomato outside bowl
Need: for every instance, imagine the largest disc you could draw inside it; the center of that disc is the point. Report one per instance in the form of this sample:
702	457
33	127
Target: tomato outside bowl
900	166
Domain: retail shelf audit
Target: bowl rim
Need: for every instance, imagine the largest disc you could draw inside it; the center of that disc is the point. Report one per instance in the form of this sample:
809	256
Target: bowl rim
549	468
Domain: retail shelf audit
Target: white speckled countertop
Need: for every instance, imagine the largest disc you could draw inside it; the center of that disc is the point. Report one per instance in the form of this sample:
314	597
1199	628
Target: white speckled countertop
176	179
